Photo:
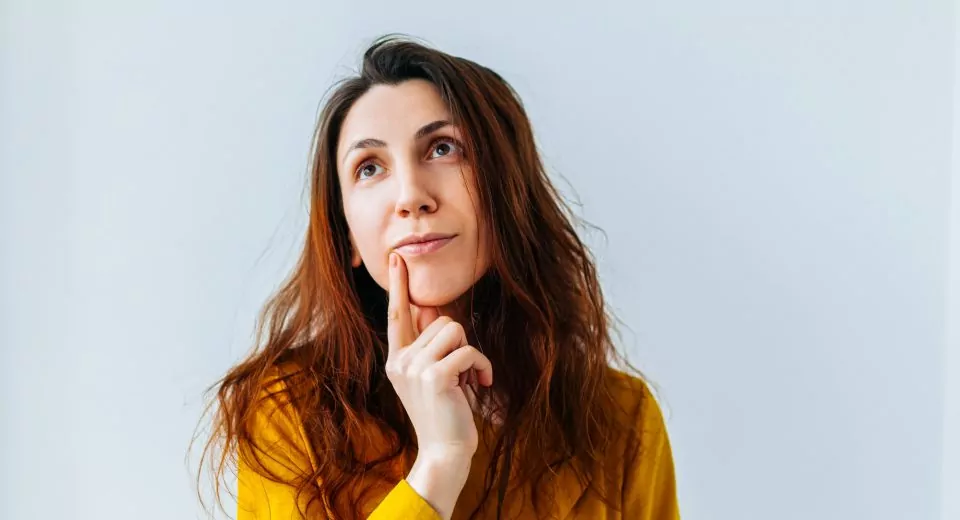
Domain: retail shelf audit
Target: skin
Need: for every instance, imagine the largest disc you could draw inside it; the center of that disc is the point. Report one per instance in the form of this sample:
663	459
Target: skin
400	183
411	185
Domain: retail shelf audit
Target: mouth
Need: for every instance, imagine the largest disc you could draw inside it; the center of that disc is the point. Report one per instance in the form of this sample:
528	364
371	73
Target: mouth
420	245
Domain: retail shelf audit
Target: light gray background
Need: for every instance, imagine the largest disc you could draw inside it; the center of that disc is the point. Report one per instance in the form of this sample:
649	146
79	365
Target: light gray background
774	178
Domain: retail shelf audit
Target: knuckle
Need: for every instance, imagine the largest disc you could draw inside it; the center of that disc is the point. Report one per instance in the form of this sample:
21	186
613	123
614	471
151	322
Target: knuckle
430	376
457	327
442	322
453	329
411	372
393	368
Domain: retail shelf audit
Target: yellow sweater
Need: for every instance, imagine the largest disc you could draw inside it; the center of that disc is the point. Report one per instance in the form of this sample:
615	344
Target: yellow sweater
648	485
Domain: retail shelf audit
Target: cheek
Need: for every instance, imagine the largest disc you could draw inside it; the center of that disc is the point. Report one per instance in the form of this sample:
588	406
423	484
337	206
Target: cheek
483	247
481	228
471	214
367	228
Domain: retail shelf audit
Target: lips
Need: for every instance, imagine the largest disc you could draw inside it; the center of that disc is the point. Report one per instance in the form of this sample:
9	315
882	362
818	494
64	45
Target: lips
422	244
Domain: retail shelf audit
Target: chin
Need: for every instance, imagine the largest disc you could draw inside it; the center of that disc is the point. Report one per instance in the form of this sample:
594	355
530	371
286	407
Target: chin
429	290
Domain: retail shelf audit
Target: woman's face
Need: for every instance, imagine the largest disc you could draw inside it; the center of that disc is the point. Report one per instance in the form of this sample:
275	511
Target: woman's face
404	181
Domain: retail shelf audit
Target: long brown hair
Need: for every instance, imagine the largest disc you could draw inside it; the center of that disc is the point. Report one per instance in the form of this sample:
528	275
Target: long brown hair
538	313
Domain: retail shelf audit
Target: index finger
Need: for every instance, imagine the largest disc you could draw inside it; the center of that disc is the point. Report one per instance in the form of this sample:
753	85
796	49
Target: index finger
399	322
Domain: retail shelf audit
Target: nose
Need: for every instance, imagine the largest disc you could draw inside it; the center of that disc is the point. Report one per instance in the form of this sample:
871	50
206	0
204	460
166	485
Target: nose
414	196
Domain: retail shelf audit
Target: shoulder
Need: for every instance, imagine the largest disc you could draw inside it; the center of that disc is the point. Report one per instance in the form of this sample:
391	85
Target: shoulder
649	482
273	456
633	395
271	403
275	384
273	423
637	410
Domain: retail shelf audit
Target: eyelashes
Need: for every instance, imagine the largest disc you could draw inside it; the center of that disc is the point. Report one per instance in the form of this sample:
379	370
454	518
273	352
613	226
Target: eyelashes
448	146
365	166
457	147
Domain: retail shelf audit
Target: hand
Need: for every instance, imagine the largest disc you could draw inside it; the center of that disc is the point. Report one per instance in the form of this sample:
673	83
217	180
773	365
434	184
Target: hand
429	371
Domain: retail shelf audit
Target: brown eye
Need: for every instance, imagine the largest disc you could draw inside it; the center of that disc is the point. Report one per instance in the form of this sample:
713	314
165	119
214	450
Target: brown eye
367	170
443	148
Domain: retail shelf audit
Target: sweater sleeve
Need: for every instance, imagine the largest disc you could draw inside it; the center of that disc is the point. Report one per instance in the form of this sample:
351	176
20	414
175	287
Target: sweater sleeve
404	502
280	455
649	487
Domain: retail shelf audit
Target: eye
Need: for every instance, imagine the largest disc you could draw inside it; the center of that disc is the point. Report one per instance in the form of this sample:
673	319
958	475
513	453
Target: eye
368	169
444	147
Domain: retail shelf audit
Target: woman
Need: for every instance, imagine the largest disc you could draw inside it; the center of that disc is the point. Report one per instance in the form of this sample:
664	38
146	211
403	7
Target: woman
442	349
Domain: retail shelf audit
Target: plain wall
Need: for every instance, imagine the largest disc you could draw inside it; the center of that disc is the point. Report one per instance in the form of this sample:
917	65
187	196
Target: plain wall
950	485
774	179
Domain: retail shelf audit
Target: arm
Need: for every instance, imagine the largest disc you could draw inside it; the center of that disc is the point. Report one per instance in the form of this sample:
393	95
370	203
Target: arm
649	486
264	474
439	479
429	492
259	498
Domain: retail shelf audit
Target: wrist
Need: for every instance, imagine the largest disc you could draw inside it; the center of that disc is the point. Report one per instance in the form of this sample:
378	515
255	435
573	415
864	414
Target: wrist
439	477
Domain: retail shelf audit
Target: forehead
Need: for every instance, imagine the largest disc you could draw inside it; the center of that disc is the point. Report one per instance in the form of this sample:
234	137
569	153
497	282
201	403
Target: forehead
393	112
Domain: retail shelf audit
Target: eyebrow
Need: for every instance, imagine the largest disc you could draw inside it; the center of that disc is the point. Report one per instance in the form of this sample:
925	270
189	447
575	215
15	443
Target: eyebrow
424	131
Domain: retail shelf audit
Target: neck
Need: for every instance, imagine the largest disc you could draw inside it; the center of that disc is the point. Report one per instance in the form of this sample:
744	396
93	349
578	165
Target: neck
459	311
